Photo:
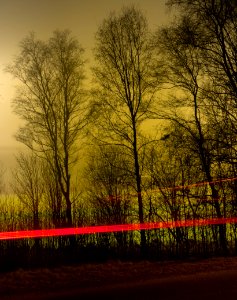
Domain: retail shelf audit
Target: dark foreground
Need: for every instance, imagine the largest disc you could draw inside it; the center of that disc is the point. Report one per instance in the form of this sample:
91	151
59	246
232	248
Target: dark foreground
202	279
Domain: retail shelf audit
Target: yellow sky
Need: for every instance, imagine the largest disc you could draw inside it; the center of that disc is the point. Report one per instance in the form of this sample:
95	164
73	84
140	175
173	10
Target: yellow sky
82	17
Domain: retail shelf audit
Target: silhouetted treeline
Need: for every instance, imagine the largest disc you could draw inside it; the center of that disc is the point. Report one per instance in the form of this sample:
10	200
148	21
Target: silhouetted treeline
153	139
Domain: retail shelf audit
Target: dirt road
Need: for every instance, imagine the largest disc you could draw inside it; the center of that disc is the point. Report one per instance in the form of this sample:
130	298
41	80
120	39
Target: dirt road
219	285
208	279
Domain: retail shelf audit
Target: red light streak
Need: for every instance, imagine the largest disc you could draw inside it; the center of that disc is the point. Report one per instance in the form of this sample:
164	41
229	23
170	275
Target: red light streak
201	183
177	187
10	235
189	186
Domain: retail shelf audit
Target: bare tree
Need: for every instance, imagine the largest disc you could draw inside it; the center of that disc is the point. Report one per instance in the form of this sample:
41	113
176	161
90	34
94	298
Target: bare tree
210	29
200	51
126	87
109	188
172	169
53	199
51	102
28	184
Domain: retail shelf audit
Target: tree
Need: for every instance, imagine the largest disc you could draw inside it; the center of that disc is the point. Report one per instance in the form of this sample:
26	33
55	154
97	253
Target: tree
53	198
28	184
211	30
172	169
109	189
126	87
200	51
51	102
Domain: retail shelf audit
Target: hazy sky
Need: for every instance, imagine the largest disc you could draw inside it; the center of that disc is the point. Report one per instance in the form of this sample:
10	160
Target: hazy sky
82	17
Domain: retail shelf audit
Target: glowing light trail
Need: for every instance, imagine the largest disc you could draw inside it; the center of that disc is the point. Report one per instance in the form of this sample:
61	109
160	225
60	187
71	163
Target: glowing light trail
10	235
177	187
189	186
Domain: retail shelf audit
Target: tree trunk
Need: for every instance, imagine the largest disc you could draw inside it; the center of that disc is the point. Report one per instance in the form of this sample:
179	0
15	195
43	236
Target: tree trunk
205	160
139	193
